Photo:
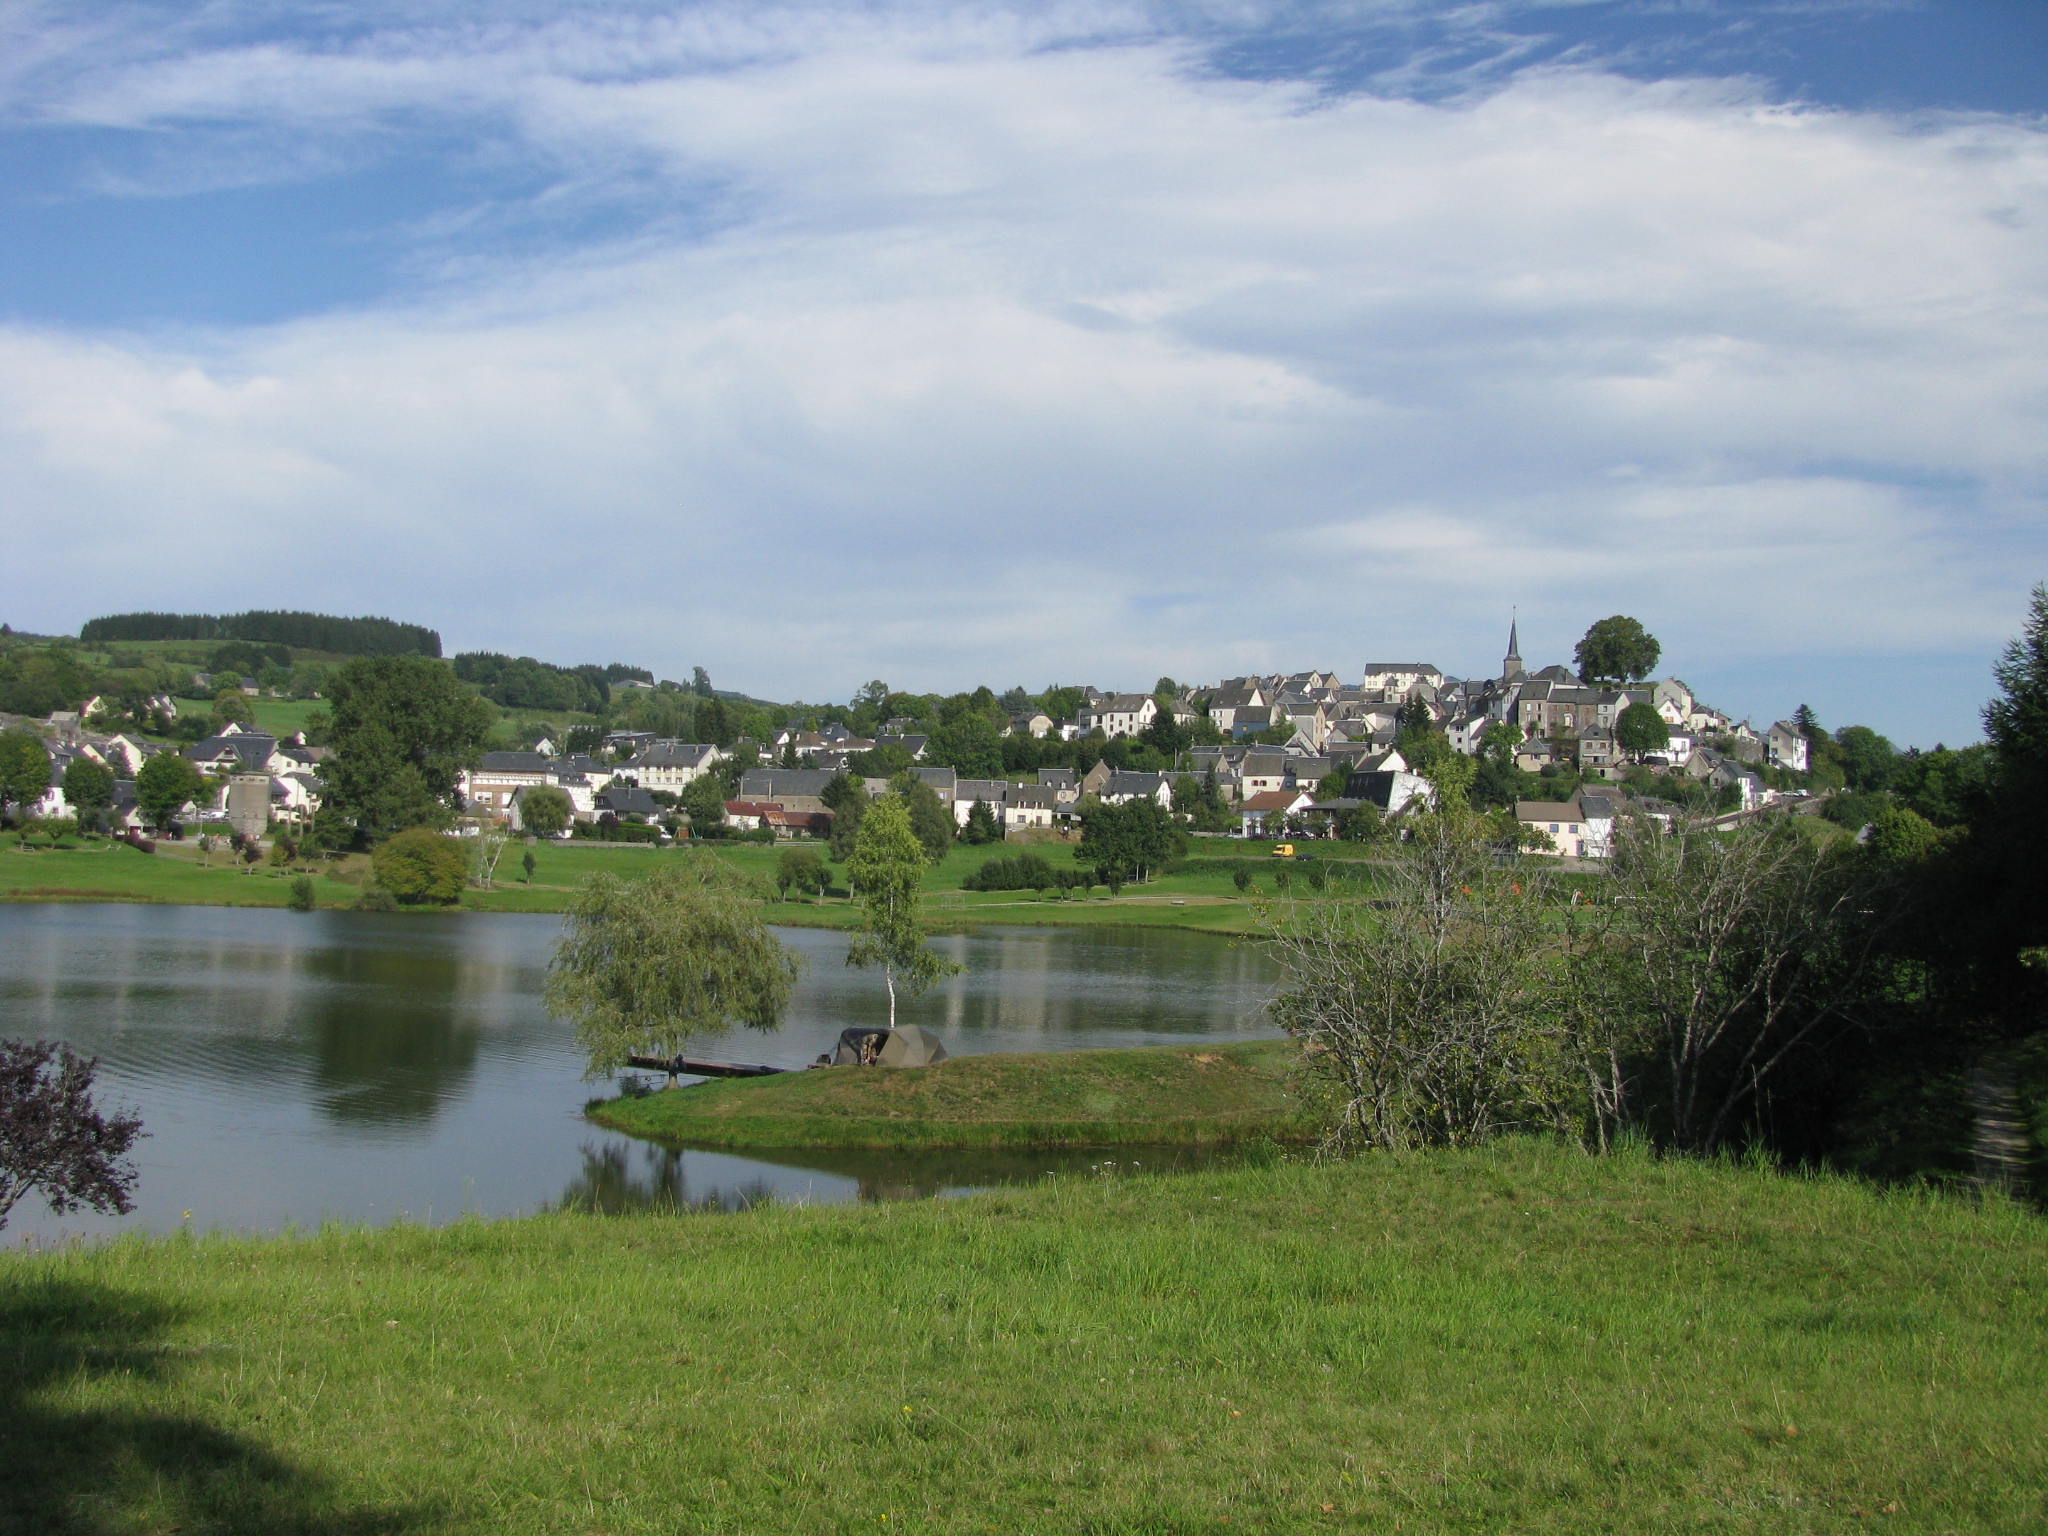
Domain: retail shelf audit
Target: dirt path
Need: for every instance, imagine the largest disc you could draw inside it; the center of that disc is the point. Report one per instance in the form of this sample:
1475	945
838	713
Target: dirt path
1999	1142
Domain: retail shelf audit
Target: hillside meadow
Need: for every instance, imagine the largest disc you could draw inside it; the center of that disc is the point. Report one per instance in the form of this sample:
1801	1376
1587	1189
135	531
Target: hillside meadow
1520	1338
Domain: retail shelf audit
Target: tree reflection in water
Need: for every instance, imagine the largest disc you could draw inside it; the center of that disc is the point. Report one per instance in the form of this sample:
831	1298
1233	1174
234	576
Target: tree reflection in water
391	1041
610	1185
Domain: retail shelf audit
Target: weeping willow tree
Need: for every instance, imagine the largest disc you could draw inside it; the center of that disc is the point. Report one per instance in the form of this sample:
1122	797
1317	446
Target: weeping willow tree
644	966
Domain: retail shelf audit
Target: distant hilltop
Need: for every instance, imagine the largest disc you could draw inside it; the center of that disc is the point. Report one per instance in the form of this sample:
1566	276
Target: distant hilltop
309	631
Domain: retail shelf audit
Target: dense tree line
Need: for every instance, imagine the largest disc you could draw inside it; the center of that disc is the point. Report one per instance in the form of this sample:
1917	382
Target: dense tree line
363	636
520	682
38	680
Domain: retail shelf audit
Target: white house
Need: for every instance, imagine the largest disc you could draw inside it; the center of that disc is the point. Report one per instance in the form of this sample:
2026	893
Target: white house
1029	806
1786	747
1562	821
671	765
1122	714
1401	678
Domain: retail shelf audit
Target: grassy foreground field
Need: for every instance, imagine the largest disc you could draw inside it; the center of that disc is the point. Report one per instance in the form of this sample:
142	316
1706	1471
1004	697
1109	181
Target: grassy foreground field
1161	1095
1518	1339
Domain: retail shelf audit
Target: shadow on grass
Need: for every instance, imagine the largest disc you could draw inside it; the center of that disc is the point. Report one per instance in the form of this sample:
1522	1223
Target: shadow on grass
88	1471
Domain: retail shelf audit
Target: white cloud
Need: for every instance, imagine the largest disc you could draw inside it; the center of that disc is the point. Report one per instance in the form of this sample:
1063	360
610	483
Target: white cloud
968	359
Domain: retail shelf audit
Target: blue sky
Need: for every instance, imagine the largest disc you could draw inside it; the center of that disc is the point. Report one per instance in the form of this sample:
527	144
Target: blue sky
817	342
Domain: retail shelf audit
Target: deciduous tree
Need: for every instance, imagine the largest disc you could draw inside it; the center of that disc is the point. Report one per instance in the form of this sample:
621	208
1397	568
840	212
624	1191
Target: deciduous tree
645	966
929	818
886	867
801	870
544	810
704	802
1616	650
402	732
420	865
1720	957
1426	1011
53	1139
89	790
230	707
1641	729
24	769
1131	841
164	785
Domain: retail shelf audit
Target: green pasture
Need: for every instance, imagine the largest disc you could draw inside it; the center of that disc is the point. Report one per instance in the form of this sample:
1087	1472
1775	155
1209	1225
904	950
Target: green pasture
1515	1339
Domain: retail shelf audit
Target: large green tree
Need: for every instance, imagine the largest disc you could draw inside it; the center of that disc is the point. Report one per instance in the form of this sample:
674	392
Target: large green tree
703	799
24	769
88	790
972	744
1617	650
421	867
163	786
545	810
929	818
886	867
39	681
645	966
1129	841
1641	729
1868	760
403	730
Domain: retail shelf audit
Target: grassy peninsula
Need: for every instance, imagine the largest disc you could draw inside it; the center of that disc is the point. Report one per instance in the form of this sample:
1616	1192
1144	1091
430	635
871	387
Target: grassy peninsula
1159	1095
1519	1339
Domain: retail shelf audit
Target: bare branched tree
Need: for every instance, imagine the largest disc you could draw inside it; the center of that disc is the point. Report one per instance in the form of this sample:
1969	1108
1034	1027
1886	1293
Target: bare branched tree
1711	959
1428	1007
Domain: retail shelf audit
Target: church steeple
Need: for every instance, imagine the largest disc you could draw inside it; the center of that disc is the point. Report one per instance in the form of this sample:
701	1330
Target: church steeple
1511	664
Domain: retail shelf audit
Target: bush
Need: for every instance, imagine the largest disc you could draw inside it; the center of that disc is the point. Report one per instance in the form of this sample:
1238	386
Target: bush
1242	879
301	898
376	899
1856	811
419	866
624	832
1017	872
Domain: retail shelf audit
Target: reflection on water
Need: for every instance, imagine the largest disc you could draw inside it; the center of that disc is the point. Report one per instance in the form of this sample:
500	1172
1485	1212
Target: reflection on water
639	1177
295	1067
1044	989
387	1046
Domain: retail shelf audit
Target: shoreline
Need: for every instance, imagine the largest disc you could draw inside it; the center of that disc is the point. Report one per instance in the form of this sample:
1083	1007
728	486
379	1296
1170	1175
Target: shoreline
108	871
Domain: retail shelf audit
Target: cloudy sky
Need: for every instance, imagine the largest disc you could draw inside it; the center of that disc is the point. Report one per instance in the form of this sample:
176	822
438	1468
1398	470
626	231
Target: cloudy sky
950	343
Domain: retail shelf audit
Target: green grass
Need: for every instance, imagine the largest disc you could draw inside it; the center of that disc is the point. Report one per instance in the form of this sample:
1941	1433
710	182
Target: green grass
284	717
1520	1339
95	869
1160	1095
92	869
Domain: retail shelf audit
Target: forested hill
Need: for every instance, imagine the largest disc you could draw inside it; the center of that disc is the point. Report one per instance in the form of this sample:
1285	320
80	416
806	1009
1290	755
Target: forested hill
309	631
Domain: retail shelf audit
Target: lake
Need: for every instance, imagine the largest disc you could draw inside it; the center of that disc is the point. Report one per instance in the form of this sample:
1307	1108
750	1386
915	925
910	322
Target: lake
292	1068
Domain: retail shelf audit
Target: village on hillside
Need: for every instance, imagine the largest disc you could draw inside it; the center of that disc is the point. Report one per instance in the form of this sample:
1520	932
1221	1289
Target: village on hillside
1296	755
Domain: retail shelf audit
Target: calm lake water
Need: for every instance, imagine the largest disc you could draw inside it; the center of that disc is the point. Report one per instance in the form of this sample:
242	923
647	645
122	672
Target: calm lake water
296	1067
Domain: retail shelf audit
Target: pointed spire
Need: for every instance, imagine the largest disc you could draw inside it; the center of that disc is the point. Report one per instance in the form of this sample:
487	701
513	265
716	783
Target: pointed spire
1511	664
